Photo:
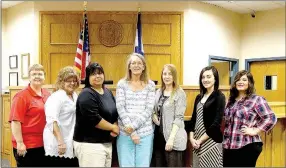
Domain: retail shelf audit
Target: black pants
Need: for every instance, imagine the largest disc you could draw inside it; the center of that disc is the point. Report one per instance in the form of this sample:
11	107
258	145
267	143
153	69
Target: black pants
35	157
163	158
243	157
61	162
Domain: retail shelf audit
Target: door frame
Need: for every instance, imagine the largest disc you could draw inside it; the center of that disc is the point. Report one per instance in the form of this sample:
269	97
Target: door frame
234	61
248	61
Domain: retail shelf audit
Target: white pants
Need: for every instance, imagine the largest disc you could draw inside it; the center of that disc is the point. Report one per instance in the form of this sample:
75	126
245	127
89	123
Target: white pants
93	154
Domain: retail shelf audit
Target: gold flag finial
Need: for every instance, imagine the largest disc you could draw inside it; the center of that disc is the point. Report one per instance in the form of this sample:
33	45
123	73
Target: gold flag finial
84	5
139	9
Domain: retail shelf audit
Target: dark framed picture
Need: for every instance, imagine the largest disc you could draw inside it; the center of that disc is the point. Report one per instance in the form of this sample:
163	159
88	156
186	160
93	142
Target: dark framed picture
13	79
13	61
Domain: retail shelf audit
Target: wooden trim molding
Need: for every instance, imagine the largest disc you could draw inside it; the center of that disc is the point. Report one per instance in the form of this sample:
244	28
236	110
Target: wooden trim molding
248	61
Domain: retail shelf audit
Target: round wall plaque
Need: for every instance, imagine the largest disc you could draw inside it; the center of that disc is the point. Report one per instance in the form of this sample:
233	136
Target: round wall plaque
110	33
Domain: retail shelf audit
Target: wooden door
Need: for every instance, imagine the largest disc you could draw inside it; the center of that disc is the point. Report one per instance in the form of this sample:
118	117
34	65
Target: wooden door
161	38
273	153
272	68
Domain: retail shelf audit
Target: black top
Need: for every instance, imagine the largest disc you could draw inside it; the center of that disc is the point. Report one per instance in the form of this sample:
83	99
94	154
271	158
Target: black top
160	111
213	110
91	107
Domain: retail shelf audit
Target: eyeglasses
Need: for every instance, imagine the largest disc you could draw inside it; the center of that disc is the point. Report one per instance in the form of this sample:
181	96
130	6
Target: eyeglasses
74	81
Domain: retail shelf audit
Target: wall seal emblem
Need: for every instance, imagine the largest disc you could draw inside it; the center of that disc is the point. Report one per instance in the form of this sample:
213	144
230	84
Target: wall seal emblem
110	33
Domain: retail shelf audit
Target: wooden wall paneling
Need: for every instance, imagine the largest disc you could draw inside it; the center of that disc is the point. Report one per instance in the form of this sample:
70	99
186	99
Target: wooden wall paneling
2	138
6	126
6	107
261	159
278	152
157	34
114	65
4	99
62	33
279	108
267	149
191	96
283	144
7	152
174	47
59	36
176	36
7	141
58	61
273	154
155	63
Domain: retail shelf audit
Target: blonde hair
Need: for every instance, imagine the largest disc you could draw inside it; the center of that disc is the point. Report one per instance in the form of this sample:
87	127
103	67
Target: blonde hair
175	84
65	74
36	67
144	76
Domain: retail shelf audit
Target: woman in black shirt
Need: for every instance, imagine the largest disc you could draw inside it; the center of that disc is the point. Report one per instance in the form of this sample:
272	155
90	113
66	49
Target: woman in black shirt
96	121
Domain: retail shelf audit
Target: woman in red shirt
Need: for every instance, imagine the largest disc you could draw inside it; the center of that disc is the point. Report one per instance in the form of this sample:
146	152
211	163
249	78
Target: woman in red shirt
246	115
28	120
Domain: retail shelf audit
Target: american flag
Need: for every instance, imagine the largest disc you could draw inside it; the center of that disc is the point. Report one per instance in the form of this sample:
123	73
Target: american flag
82	58
138	48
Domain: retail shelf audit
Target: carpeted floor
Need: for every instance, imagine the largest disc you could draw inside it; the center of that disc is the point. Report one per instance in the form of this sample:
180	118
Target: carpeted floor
5	163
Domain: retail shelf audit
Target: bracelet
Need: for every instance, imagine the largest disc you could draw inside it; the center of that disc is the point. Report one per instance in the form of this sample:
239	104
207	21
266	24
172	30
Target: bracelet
19	141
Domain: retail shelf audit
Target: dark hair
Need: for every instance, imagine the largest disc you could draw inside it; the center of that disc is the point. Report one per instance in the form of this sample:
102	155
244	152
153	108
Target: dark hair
234	92
203	90
90	70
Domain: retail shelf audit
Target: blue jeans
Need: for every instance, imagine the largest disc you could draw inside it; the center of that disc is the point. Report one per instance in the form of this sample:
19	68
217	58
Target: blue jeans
134	155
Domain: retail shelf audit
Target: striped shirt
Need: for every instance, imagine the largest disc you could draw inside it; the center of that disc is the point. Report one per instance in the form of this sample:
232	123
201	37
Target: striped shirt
251	112
135	108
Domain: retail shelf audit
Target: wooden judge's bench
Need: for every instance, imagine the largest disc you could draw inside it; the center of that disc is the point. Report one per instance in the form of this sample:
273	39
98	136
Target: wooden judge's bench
273	154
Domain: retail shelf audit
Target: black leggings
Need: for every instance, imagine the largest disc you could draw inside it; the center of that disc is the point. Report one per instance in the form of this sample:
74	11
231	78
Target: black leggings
243	157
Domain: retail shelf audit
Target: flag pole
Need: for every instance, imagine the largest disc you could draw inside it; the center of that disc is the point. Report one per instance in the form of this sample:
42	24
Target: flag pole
84	5
83	30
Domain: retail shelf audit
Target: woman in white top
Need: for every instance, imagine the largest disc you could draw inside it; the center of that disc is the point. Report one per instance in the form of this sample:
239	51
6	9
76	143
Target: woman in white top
60	116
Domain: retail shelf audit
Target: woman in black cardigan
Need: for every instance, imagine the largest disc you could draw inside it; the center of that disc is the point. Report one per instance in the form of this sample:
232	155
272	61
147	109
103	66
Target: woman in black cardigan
204	127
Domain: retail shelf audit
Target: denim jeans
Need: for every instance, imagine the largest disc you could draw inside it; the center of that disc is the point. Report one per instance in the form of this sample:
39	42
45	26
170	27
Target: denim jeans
134	155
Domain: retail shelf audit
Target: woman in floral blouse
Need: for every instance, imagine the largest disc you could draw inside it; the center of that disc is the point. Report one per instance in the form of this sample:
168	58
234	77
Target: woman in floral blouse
246	115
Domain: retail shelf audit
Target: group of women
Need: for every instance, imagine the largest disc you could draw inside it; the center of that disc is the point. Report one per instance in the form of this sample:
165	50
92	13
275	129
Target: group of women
67	129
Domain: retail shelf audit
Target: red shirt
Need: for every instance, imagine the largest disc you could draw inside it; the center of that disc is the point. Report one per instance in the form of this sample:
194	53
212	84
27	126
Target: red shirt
28	108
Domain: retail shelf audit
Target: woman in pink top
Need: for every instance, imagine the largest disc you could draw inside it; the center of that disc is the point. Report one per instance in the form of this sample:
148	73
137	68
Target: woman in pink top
246	115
